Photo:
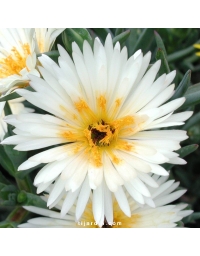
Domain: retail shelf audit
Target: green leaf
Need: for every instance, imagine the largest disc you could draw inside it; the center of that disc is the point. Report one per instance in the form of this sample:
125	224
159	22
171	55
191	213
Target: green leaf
160	43
52	54
192	217
181	54
102	33
132	39
15	156
8	224
31	199
194	133
6	162
192	96
10	96
118	31
9	194
25	184
180	224
184	151
7	109
17	215
77	35
144	41
192	121
10	159
183	86
23	174
164	64
121	37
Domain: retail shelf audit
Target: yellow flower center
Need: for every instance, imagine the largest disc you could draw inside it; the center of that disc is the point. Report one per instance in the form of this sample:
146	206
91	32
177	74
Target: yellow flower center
15	62
99	130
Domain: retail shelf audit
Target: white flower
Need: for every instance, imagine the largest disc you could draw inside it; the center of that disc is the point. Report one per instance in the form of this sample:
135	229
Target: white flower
161	216
45	38
105	111
17	107
18	48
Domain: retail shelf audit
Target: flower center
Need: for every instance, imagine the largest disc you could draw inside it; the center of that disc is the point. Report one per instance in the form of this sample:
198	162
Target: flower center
15	62
104	136
101	133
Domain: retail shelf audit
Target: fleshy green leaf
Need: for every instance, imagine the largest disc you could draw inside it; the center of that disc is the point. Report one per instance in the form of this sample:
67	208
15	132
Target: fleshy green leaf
10	96
144	41
183	86
121	37
118	31
8	224
25	198
132	39
194	133
181	54
192	121
192	217
52	54
9	194
10	159
77	35
160	43
7	109
184	151
6	162
23	174
164	64
15	156
192	96
180	224
17	215
102	33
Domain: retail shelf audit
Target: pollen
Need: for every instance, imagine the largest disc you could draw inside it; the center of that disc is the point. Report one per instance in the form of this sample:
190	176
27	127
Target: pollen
102	102
15	62
81	105
104	136
115	159
118	102
124	145
69	135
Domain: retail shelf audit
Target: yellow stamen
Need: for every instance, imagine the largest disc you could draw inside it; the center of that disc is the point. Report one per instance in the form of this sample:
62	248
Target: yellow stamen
15	62
98	132
102	102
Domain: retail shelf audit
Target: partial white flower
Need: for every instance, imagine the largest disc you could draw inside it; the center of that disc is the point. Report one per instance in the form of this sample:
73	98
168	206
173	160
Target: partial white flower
17	57
18	48
161	216
17	107
105	111
45	38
